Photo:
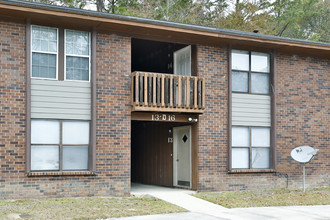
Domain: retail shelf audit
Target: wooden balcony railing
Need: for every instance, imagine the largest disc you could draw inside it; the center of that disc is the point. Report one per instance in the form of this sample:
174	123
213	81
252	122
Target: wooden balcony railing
167	93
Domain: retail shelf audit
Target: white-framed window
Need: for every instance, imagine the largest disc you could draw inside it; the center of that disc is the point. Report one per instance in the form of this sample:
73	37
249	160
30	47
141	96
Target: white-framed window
77	55
250	72
59	145
250	147
74	53
44	47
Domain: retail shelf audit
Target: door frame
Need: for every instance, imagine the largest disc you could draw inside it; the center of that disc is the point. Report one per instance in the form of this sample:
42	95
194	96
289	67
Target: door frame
175	152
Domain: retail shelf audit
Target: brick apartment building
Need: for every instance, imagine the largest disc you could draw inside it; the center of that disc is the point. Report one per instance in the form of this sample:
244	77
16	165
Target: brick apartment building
91	102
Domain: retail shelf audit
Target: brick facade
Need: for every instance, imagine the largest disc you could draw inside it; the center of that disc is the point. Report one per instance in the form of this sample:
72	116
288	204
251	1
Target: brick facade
213	124
302	116
112	130
113	123
12	113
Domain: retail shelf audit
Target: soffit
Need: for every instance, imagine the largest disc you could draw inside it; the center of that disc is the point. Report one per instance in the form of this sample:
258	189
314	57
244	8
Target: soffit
162	31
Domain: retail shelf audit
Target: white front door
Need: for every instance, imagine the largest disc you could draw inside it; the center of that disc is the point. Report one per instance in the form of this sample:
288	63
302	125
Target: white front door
182	66
182	156
182	61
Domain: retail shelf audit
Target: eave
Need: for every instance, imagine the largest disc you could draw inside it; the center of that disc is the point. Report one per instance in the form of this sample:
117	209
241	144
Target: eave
157	30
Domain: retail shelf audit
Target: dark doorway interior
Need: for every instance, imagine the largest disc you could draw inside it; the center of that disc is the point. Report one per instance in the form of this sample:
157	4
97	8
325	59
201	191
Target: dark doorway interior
152	153
153	56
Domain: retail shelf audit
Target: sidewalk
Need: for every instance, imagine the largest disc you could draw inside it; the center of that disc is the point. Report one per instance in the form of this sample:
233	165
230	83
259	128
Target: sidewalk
202	210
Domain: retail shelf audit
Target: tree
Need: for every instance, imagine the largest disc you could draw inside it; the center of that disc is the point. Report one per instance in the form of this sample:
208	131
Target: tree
67	3
247	16
304	19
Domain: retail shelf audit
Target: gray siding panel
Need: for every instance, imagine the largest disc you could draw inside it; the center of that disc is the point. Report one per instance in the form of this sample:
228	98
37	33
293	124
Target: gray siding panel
70	84
60	99
56	92
251	110
60	116
64	106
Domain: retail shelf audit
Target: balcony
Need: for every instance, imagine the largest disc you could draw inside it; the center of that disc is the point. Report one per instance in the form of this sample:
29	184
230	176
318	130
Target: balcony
167	93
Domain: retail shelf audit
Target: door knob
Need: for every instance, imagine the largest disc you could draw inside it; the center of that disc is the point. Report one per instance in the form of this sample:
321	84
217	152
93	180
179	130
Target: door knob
177	160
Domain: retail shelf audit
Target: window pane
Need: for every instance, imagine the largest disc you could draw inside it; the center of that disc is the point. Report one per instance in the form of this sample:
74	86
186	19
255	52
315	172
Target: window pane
84	64
85	75
240	158
260	62
44	157
44	65
69	73
44	45
43	59
52	34
36	44
45	132
260	83
75	157
75	132
35	70
240	136
77	42
260	158
44	71
240	60
240	82
77	68
69	42
53	46
35	32
260	137
44	39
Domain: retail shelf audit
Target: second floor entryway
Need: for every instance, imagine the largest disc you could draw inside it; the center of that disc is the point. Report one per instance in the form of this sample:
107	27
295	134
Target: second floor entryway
164	78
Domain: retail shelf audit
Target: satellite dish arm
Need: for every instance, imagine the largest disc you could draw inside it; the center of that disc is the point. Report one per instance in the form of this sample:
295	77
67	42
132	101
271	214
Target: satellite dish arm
313	154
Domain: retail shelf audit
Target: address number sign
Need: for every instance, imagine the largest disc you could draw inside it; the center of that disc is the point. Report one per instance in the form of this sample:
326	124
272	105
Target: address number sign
162	117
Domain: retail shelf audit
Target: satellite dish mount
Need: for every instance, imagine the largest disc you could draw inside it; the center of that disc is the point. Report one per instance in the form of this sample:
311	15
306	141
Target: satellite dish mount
303	154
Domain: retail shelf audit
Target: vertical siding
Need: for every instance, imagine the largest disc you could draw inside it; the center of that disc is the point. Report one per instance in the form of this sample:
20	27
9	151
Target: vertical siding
152	161
251	110
60	99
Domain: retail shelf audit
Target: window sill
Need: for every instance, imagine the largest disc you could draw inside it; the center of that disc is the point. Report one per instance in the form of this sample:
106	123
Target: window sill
65	173
251	171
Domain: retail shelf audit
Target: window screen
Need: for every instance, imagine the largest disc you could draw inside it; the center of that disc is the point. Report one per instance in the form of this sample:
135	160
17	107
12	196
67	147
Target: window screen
44	52
77	50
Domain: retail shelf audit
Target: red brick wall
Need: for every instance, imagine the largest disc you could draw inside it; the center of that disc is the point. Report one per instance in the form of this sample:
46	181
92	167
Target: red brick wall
212	64
12	109
213	124
302	119
303	108
113	113
113	122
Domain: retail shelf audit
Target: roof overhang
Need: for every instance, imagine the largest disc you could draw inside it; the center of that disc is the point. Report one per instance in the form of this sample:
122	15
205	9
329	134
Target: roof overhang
156	30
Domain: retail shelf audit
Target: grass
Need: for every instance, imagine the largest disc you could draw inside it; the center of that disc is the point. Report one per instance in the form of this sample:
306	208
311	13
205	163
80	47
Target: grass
263	198
84	208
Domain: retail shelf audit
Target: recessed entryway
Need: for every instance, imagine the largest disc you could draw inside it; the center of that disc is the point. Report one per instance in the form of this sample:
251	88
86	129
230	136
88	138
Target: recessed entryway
154	56
162	154
152	153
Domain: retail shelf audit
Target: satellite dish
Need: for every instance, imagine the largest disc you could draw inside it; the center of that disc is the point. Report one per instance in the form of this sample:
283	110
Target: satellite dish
303	154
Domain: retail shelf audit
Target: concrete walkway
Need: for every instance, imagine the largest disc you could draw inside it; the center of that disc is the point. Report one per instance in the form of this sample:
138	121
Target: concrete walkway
202	210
